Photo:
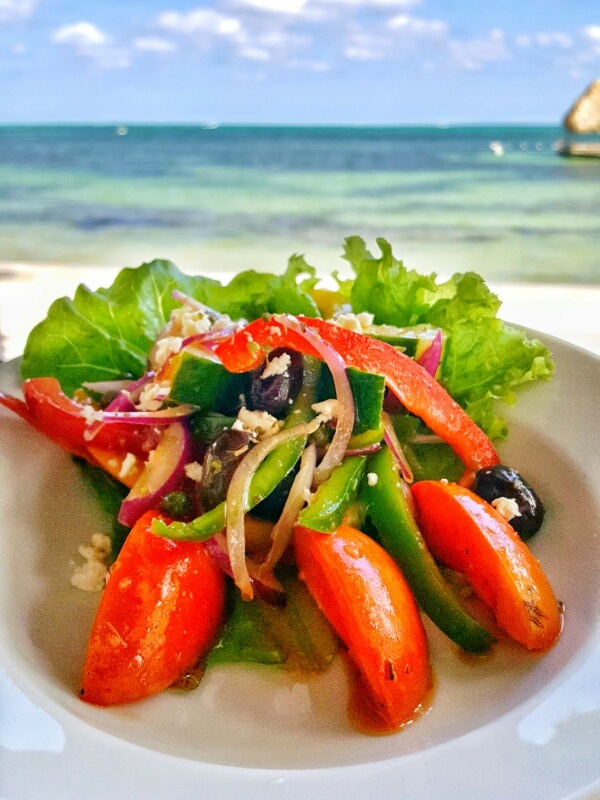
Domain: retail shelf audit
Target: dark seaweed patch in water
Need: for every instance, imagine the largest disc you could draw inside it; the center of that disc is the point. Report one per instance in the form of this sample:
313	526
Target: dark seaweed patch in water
96	222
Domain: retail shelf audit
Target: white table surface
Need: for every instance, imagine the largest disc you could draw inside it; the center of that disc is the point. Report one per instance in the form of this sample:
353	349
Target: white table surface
568	312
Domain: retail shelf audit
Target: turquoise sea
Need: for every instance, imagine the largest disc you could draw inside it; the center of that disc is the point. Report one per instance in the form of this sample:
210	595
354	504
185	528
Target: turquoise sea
499	200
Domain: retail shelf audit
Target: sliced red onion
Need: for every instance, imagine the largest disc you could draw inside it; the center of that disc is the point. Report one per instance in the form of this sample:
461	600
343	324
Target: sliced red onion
203	341
364	451
165	416
162	473
392	442
123	402
134	389
217	549
345	421
430	359
282	532
237	500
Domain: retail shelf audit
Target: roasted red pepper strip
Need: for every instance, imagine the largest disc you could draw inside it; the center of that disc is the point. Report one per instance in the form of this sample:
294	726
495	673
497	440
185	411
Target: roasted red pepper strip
160	612
416	389
50	411
363	594
466	533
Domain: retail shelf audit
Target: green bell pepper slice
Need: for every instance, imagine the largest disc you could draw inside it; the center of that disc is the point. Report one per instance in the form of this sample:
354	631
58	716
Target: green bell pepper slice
398	533
325	512
267	477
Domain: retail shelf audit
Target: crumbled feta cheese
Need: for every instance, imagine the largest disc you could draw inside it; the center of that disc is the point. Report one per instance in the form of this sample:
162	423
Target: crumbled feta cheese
327	409
354	322
185	322
91	576
221	323
372	478
91	414
165	347
127	465
194	471
277	366
259	424
507	507
153	396
188	321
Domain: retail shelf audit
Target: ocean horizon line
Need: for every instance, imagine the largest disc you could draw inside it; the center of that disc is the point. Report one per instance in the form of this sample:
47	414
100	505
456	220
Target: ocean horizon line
215	124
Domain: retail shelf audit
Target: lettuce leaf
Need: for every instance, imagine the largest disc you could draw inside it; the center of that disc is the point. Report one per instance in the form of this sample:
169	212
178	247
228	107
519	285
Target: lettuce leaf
485	359
107	334
251	294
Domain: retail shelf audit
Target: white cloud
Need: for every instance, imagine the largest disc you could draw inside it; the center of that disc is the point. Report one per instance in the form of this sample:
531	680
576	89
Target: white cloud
523	40
258	39
314	9
287	7
418	28
396	37
591	32
153	44
585	56
89	41
202	21
320	34
590	36
554	39
475	53
80	35
15	10
385	5
362	46
578	53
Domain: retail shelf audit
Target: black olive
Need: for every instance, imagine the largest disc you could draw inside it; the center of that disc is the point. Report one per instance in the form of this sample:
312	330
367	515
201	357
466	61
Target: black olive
502	481
220	461
276	393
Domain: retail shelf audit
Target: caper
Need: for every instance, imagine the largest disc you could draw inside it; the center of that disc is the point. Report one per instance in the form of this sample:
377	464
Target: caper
177	505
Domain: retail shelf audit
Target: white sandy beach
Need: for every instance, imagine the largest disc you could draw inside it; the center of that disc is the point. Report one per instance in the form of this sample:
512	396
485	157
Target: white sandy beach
566	311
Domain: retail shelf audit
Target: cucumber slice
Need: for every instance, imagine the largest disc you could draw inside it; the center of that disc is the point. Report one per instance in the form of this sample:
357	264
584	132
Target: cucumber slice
198	380
414	340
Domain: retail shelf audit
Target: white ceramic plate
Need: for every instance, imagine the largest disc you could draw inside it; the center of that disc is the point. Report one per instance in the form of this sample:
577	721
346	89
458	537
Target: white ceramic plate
508	725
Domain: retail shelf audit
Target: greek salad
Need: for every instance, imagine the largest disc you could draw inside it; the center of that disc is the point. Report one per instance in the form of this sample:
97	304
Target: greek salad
294	471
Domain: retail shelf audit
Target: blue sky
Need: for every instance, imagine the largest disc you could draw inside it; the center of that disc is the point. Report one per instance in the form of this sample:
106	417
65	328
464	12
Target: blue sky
295	61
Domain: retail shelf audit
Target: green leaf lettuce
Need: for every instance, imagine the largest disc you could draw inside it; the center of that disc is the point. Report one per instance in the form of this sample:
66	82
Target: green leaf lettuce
107	334
485	359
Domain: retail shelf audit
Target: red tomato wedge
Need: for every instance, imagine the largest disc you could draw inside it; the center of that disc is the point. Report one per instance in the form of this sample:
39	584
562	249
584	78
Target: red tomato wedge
365	597
416	389
469	535
160	613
